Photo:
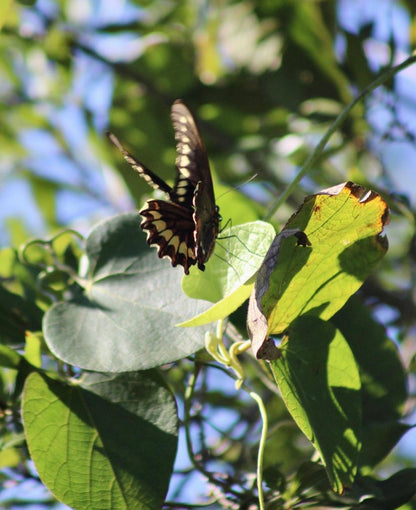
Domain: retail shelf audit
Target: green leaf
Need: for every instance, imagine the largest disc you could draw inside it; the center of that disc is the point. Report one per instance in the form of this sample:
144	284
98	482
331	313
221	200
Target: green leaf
10	458
390	493
109	444
309	475
33	349
6	12
239	252
22	280
17	315
236	207
126	318
227	279
343	225
319	381
309	31
9	358
383	397
257	324
376	355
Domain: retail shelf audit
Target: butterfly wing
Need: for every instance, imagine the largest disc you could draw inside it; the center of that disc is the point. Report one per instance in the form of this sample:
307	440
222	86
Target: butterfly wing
185	228
170	227
151	178
194	183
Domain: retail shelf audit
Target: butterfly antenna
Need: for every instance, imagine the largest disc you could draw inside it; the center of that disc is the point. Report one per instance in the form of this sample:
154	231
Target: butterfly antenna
235	188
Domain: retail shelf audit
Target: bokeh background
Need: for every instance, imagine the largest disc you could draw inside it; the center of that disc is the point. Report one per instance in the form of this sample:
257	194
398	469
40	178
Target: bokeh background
265	80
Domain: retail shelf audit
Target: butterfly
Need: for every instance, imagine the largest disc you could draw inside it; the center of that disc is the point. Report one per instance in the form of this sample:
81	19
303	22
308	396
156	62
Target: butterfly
185	227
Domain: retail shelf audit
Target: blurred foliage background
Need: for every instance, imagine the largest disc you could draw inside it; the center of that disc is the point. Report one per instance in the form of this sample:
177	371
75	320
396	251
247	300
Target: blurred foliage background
264	79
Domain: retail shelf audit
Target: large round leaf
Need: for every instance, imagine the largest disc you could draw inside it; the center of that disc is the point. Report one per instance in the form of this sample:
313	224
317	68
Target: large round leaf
125	318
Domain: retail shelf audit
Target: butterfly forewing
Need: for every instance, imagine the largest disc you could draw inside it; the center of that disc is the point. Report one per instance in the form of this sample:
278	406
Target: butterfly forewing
193	167
185	228
151	178
192	160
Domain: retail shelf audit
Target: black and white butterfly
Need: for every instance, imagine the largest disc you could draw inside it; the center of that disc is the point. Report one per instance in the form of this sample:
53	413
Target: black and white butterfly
185	227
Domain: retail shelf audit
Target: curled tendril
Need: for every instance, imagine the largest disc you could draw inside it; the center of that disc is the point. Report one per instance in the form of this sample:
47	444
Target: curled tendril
48	268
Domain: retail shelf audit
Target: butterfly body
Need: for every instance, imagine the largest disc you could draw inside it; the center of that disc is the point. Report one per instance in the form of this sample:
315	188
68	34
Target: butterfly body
184	228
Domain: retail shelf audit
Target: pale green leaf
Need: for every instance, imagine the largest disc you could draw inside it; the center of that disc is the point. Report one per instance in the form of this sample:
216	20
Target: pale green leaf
125	320
10	457
226	281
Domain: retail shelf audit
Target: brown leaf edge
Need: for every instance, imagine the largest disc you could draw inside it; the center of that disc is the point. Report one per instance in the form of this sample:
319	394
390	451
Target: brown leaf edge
257	326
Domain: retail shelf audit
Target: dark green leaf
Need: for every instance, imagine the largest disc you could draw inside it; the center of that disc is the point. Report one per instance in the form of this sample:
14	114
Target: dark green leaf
383	380
17	315
108	444
387	494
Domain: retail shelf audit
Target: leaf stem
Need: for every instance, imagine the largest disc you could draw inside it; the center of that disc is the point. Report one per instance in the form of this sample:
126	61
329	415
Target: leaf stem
385	76
215	346
262	444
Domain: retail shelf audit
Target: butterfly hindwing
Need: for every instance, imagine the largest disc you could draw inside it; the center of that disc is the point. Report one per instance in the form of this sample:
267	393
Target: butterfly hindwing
184	228
170	227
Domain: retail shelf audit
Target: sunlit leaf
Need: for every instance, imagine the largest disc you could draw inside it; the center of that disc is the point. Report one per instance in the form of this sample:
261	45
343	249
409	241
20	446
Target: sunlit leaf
10	457
33	348
226	280
343	226
6	11
319	381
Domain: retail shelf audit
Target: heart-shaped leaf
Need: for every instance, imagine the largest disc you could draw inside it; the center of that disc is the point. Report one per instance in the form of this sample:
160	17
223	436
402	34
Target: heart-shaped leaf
125	319
227	280
94	446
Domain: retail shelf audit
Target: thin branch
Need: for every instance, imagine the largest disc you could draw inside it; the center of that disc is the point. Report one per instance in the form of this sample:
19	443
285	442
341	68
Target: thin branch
385	76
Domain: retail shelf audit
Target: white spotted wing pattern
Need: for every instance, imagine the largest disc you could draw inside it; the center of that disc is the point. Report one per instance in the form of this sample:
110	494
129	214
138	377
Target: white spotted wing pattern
184	228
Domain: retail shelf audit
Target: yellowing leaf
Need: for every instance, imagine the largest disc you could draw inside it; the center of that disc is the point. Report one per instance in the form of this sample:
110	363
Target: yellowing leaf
343	225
